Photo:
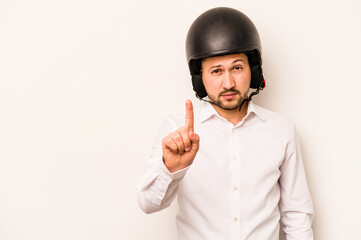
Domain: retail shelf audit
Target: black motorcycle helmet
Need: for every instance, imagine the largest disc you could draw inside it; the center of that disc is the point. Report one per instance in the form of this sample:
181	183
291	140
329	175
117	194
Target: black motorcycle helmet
221	31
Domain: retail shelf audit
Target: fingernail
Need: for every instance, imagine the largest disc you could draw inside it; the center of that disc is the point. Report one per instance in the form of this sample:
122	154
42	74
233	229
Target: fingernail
188	149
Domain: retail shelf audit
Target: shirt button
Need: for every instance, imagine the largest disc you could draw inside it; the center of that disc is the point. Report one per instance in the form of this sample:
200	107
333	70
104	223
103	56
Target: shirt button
235	219
233	130
234	158
235	189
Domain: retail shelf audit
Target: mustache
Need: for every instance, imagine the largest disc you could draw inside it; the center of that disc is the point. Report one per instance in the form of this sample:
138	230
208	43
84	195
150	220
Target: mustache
230	91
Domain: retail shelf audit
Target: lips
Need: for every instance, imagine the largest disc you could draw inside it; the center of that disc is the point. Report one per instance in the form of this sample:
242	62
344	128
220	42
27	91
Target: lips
229	95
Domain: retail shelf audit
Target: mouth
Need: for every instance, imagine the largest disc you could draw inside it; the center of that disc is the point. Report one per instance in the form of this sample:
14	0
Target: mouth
229	95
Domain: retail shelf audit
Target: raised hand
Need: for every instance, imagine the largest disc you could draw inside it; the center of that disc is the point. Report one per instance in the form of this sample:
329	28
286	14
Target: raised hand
180	147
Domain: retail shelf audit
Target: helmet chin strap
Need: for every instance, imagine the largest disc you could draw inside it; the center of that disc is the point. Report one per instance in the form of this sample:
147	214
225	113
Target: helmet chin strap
211	102
249	98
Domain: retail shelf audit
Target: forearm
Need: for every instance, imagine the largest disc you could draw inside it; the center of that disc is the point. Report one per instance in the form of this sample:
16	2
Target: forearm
297	226
158	188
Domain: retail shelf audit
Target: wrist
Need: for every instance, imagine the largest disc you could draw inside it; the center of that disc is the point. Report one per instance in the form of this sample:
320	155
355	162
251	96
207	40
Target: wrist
172	168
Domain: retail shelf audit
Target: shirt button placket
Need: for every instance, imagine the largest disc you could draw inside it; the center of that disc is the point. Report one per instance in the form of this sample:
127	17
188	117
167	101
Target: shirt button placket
234	186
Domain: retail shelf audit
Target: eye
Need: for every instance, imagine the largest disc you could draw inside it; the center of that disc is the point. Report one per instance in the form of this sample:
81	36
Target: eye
216	71
238	67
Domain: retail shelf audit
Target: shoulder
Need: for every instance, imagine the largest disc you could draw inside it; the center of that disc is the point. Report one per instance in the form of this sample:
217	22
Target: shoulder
271	119
271	115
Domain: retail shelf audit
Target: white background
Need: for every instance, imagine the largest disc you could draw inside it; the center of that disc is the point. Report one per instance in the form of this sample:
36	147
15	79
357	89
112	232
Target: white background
84	86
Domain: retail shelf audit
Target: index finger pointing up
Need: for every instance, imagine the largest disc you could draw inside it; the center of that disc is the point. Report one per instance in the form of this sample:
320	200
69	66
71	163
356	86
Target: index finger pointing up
189	115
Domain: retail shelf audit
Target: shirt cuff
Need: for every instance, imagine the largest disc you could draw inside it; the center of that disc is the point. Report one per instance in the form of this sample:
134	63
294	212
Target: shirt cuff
176	175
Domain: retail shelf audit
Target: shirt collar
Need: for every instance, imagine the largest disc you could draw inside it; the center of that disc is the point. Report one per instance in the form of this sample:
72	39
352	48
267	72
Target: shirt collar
207	111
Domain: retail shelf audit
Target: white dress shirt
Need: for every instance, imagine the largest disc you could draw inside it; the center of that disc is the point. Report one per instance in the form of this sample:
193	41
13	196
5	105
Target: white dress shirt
243	181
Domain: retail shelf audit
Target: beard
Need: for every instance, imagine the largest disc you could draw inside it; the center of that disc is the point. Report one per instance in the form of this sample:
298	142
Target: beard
225	104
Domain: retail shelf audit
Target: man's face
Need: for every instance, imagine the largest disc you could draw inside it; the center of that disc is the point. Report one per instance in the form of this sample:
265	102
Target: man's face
227	79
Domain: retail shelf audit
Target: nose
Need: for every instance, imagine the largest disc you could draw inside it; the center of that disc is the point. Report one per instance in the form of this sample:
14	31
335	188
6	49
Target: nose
228	81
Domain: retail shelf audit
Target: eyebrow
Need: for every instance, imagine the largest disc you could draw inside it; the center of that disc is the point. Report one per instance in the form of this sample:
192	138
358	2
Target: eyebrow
215	66
237	60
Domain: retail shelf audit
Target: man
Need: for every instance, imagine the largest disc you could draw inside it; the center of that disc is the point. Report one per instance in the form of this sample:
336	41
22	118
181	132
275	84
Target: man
235	167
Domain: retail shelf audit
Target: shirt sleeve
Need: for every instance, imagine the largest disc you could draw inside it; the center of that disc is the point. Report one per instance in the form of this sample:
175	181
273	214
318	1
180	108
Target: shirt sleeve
158	187
295	204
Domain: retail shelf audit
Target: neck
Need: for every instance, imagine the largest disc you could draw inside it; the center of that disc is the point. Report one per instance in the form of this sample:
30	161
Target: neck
233	116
